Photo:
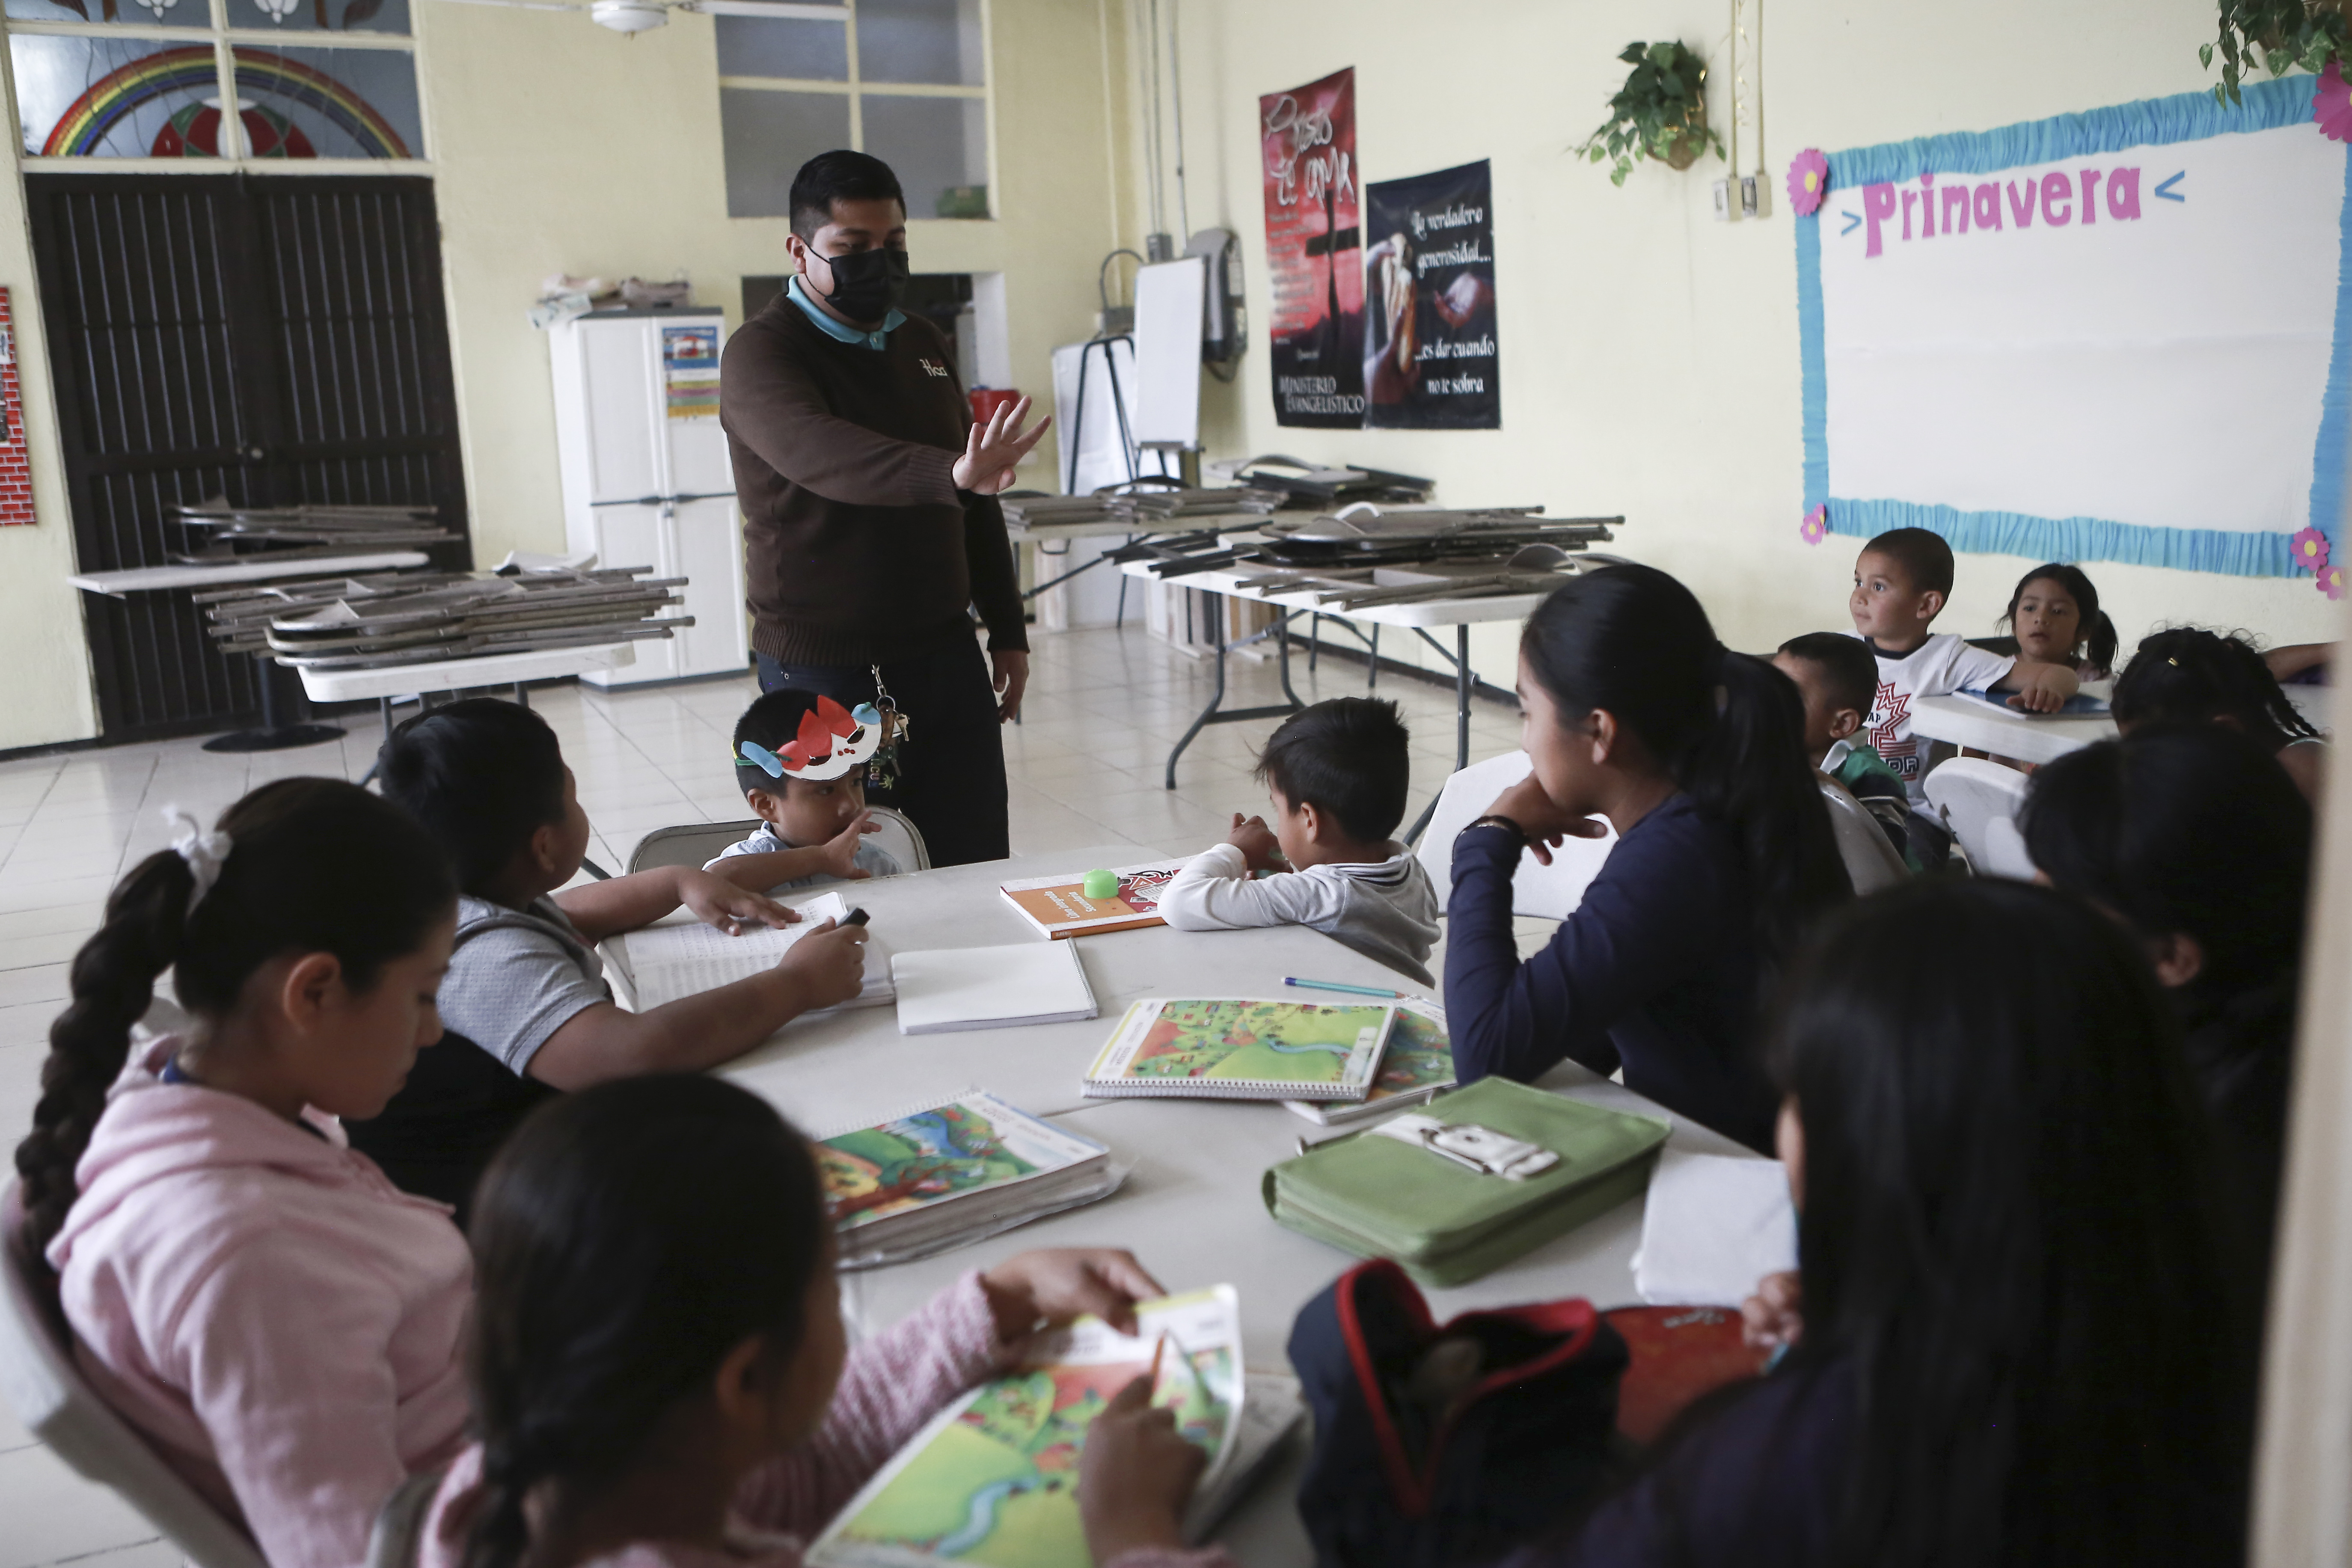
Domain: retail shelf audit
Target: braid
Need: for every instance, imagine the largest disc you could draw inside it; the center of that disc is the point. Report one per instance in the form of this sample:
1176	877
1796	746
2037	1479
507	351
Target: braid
114	982
501	1535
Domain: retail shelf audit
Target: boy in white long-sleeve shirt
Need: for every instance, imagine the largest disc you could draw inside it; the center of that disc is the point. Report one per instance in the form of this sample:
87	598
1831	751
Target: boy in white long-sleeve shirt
1336	775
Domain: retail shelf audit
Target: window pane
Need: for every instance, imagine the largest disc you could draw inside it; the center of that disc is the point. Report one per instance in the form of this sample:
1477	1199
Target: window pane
768	136
921	40
318	16
939	149
329	103
145	13
810	50
114	98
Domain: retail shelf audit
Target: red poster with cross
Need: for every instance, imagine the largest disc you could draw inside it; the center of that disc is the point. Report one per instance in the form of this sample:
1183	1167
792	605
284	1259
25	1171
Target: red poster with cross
15	463
1314	252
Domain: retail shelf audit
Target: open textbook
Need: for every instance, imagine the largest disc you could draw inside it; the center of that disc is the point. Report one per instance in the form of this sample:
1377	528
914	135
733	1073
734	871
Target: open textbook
1417	1064
1243	1049
949	1171
1058	906
993	1480
664	962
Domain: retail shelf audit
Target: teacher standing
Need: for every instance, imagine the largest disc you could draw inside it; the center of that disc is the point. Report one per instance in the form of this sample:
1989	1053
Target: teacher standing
870	521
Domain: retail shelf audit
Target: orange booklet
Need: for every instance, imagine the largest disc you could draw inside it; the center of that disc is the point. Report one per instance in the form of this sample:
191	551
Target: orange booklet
1058	906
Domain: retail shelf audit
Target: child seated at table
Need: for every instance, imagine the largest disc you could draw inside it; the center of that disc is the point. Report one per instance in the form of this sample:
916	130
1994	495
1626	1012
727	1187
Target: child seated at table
2191	676
1901	581
2193	837
2053	617
1336	775
252	1297
662	1379
801	761
1839	682
525	999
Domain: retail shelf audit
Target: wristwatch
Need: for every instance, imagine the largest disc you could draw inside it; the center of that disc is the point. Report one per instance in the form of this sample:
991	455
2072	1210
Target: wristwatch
1493	819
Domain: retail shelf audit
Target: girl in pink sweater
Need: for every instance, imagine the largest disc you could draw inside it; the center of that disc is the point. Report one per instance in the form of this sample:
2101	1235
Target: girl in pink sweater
257	1300
660	1376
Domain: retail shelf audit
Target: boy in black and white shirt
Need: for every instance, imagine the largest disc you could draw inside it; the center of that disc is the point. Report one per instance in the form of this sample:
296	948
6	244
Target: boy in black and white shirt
1901	582
1336	775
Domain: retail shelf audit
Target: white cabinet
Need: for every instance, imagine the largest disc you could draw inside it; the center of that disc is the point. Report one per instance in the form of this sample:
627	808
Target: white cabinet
646	481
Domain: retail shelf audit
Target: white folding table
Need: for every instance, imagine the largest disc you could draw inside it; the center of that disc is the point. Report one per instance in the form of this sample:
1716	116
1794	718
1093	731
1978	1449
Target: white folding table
1420	616
1191	1208
386	683
1965	722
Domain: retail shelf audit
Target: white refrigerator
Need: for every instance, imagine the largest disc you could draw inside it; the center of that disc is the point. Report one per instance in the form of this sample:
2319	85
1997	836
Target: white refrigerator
645	477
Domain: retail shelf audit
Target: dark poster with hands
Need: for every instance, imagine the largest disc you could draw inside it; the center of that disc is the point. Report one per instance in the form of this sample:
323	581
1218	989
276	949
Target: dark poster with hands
1430	361
1314	248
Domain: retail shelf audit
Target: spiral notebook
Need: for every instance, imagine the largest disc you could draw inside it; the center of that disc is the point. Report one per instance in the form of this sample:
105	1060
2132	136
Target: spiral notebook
1417	1064
680	956
1234	1048
951	1169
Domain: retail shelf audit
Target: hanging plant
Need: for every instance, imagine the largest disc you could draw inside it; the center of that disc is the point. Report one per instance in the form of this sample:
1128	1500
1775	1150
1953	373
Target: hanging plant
2277	35
1659	113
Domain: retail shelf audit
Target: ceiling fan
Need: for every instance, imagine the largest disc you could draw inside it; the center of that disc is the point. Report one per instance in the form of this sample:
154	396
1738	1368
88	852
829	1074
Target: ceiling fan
643	15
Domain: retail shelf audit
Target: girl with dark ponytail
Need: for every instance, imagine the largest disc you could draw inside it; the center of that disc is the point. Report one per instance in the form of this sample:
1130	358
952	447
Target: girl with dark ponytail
2187	675
260	1302
659	1369
2057	618
1631	709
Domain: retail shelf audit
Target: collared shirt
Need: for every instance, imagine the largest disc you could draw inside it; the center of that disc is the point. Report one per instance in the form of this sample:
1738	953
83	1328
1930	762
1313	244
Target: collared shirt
832	328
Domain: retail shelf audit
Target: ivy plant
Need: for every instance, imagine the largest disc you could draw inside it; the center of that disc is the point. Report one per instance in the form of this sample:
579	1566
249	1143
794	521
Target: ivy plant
1659	113
2277	35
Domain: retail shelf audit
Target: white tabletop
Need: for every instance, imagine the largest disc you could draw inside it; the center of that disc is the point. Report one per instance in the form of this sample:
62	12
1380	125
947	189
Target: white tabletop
1964	721
1422	612
457	674
148	579
1191	1208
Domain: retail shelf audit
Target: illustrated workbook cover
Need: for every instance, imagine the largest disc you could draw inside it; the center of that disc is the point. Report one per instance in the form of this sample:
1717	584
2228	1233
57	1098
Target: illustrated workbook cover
1417	1064
1058	906
993	1480
1241	1048
926	1158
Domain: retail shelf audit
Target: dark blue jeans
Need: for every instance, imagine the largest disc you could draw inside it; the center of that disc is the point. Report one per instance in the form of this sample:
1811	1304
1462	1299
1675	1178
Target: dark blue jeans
950	767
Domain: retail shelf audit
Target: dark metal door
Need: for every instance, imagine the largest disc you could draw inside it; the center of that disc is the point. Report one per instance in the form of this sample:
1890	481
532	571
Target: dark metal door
273	340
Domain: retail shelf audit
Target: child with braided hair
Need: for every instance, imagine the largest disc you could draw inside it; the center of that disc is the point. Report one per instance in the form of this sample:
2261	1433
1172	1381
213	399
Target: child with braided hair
278	1320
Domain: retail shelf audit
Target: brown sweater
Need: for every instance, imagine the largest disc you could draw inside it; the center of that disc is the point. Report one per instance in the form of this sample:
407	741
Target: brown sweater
859	547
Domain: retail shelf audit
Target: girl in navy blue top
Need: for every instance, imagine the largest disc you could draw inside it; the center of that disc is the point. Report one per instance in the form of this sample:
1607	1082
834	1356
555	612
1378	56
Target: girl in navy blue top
2010	1343
1632	711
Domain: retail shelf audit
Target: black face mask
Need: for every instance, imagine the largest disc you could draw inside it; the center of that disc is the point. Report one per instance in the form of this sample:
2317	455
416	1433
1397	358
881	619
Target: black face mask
869	284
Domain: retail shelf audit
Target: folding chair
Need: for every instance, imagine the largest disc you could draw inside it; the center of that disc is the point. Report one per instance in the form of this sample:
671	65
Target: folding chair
1550	892
1870	859
699	843
47	1389
1978	801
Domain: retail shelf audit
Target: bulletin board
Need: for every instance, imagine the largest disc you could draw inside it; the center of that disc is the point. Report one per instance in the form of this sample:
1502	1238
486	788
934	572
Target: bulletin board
2119	335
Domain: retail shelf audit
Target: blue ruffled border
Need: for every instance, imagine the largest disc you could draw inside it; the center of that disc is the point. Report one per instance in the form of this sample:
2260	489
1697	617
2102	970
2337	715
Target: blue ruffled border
2074	538
2153	122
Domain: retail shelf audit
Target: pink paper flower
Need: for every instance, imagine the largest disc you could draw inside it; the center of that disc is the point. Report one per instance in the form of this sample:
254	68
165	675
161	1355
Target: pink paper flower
2331	582
1809	179
2310	548
2331	106
1817	521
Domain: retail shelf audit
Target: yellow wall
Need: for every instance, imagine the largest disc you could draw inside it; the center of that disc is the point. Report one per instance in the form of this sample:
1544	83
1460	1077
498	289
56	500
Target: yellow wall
1649	354
560	147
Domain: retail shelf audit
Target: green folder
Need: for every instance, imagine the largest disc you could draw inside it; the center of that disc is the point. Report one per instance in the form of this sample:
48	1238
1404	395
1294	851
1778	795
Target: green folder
1447	1224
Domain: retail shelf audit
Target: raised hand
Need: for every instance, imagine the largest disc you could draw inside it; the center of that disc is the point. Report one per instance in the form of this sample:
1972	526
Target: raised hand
991	451
841	850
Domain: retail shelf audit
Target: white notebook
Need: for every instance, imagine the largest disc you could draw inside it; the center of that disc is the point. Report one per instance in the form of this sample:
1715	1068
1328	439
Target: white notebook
991	987
683	958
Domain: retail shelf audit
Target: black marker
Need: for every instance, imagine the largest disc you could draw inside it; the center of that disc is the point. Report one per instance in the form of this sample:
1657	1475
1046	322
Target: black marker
857	917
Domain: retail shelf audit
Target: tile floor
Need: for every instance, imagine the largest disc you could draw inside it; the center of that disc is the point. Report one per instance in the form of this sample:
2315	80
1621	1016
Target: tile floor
1103	709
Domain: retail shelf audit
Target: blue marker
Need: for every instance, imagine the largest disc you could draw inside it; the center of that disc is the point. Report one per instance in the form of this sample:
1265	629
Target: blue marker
1336	985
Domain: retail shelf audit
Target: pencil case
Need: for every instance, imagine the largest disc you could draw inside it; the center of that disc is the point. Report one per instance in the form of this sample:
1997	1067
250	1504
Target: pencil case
1448	1222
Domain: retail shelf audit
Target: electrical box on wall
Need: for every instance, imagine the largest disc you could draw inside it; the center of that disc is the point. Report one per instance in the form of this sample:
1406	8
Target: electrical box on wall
1754	193
1727	202
1223	328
